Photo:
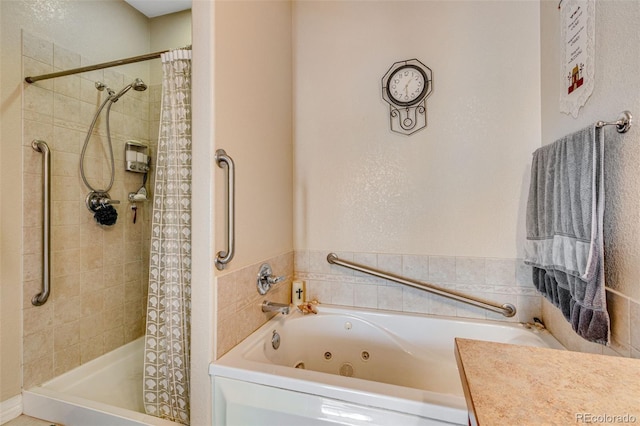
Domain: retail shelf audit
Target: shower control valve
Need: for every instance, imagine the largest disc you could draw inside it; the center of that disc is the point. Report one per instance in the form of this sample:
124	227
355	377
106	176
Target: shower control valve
95	200
266	279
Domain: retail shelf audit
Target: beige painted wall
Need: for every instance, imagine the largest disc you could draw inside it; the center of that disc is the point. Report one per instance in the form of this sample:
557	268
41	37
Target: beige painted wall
203	294
253	83
455	188
253	116
617	88
242	102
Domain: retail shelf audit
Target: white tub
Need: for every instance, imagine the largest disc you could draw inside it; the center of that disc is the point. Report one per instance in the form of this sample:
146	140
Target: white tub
354	366
106	391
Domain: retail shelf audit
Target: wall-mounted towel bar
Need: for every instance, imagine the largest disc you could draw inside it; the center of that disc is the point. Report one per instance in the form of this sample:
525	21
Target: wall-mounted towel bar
623	123
41	146
508	310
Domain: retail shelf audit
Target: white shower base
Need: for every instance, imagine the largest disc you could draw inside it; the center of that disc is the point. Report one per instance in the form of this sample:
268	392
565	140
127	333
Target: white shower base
104	392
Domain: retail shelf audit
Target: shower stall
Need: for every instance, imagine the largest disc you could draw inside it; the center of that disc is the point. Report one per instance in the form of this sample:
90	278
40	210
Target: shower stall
84	348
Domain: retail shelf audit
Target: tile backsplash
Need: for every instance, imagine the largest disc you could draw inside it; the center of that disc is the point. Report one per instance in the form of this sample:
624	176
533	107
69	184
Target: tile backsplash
238	302
493	279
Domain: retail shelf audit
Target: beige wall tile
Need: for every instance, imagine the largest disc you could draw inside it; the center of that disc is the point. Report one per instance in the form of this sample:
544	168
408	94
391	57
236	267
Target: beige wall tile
113	297
132	271
65	237
365	296
67	310
618	307
634	326
37	130
30	289
134	290
68	86
91	259
87	259
65	262
113	338
66	359
32	267
38	371
91	303
37	318
64	213
39	100
92	326
239	303
113	275
66	287
91	349
342	294
113	316
66	335
64	58
37	345
37	48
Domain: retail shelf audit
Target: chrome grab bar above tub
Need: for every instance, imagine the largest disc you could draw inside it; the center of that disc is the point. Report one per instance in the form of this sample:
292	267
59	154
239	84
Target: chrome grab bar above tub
41	146
224	257
508	310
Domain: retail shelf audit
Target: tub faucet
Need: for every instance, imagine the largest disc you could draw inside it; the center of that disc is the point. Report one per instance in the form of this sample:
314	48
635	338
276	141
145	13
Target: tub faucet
275	307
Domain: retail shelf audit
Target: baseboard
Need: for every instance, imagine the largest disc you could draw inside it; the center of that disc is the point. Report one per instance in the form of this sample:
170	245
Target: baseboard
10	409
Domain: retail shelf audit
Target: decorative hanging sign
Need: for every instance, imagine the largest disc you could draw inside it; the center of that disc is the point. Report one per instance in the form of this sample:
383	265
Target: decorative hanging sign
577	35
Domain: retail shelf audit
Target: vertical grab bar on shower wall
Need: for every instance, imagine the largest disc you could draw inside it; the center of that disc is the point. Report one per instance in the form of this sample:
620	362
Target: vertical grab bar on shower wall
41	146
224	257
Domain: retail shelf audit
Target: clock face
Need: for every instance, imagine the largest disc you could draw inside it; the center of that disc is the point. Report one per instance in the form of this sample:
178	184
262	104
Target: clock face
407	85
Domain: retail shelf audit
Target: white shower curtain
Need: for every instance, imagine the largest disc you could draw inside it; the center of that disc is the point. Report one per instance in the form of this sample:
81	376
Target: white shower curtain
168	327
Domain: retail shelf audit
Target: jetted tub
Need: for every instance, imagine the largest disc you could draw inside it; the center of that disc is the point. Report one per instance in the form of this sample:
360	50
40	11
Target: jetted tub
353	366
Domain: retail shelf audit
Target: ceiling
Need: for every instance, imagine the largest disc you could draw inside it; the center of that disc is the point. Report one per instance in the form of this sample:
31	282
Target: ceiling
153	8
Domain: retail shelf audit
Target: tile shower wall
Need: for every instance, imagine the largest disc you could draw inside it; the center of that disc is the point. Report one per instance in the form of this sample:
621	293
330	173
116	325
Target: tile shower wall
238	301
99	274
498	280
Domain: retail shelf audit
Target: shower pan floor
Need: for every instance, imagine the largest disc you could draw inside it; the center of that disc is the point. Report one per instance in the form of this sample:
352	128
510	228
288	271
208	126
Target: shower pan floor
114	378
106	391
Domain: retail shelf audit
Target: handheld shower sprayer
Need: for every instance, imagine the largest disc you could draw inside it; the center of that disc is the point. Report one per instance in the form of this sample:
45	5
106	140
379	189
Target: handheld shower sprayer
98	201
137	85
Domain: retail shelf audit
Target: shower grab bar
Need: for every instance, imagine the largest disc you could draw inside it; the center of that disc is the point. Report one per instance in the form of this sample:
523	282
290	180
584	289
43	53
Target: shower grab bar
508	310
224	257
41	146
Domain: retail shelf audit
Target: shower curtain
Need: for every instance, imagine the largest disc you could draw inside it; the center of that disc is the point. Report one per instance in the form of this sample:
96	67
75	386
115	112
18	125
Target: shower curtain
168	328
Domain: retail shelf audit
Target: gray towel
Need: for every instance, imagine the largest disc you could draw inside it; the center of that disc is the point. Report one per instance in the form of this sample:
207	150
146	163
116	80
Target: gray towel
564	241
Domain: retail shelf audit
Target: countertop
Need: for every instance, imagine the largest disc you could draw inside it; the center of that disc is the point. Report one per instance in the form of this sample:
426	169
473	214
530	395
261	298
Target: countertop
520	385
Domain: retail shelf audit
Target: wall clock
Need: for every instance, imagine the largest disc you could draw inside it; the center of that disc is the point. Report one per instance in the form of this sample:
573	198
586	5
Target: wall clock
405	87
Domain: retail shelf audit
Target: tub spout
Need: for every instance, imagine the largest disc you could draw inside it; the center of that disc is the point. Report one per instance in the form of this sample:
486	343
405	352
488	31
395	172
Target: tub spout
275	307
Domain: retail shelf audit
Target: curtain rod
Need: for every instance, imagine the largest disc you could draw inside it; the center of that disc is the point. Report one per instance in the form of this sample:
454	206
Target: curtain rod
125	61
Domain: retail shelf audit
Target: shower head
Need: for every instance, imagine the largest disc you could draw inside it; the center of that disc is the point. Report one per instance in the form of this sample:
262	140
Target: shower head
101	87
137	85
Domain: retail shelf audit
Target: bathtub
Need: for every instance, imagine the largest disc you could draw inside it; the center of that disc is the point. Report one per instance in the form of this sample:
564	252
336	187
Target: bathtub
106	391
353	366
